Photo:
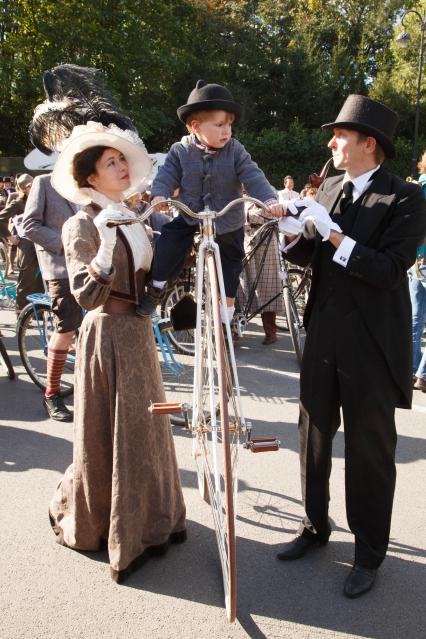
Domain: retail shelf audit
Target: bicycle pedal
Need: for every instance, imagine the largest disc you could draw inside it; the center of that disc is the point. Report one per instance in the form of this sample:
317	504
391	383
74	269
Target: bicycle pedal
263	444
166	408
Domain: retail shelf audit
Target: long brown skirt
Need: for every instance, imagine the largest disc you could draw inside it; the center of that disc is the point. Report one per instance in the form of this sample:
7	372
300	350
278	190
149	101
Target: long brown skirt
123	485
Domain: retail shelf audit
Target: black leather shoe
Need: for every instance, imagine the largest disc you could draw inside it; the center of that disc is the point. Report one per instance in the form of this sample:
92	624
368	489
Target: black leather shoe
360	580
149	302
56	408
298	548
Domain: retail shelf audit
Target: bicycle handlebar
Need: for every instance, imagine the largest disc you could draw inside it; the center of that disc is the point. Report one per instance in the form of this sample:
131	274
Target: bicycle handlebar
181	206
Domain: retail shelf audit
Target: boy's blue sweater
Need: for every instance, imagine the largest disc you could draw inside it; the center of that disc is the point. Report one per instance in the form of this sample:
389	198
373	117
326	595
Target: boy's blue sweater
212	180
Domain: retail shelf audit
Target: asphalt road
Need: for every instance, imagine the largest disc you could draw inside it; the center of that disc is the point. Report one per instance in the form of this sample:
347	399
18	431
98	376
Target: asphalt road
47	591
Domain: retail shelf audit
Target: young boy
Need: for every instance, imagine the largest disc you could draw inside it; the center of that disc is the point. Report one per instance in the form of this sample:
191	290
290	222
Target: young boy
209	167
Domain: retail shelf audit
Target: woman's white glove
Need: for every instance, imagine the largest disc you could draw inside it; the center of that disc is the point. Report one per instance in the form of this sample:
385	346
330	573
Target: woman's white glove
108	237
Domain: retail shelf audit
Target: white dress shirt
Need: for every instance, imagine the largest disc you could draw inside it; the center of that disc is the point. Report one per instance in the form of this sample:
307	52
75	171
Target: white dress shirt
361	184
287	194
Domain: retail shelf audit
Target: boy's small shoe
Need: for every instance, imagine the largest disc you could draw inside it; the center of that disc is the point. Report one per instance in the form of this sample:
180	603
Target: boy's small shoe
150	301
56	408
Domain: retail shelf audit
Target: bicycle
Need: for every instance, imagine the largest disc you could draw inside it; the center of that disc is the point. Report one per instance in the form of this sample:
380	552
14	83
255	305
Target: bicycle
295	284
7	292
182	340
217	422
35	326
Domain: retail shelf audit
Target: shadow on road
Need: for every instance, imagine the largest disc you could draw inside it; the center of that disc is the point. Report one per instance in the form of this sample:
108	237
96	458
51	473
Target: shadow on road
22	449
308	592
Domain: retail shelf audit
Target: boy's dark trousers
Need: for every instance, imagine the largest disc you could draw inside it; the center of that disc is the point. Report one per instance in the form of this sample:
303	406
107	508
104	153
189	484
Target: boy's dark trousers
177	238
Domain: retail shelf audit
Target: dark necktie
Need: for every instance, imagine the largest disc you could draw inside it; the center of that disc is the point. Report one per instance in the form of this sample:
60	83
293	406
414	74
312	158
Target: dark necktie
347	198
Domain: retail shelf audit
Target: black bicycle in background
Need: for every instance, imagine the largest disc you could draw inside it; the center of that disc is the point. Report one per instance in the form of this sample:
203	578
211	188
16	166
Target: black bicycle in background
294	287
262	257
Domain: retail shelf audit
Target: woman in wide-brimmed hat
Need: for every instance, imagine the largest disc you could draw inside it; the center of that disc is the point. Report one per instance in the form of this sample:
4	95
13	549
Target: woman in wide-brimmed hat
123	488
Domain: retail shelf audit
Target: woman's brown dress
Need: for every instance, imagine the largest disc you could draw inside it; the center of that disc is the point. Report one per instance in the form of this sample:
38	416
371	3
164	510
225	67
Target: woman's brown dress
123	485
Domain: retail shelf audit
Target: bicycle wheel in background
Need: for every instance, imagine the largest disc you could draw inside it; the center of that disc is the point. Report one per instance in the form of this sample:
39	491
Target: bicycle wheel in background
294	323
177	382
4	258
300	282
216	426
34	328
183	341
5	360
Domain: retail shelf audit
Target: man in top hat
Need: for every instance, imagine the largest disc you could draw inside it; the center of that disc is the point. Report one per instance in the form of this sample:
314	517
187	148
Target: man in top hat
357	354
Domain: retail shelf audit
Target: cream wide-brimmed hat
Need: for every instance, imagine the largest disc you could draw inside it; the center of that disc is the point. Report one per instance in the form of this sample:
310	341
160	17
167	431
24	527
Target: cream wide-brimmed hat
84	137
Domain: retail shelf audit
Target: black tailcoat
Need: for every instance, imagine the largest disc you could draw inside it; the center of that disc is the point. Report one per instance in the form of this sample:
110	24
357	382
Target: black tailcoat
390	225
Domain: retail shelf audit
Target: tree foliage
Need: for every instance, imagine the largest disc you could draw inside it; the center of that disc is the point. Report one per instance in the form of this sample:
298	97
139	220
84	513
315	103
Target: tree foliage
291	63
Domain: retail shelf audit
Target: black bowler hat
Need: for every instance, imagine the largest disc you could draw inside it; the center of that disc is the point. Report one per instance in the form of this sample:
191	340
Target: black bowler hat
207	97
370	117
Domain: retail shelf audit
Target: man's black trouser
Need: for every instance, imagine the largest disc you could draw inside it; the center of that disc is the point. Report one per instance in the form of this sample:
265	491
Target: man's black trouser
344	368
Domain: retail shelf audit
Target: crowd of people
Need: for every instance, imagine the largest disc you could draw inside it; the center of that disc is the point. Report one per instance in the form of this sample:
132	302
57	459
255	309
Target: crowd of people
361	232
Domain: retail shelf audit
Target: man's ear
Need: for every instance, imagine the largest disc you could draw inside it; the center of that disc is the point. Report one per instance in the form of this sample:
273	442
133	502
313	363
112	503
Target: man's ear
370	145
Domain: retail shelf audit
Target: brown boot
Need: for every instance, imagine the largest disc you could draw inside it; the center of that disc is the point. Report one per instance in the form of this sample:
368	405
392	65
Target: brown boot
268	321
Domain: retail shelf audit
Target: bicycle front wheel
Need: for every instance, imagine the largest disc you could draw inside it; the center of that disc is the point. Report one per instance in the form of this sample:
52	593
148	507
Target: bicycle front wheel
34	329
216	426
294	324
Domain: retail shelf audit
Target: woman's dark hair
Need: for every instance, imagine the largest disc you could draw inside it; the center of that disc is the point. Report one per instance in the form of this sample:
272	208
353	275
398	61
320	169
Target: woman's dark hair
84	164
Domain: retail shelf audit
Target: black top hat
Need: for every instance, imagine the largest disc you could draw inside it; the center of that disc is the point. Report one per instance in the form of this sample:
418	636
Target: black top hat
370	117
206	97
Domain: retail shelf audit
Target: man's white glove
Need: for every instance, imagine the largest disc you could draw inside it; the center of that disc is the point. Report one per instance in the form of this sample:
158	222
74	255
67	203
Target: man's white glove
290	225
316	217
108	237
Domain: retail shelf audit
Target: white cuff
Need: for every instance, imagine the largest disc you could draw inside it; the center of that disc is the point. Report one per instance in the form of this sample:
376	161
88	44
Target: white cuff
344	251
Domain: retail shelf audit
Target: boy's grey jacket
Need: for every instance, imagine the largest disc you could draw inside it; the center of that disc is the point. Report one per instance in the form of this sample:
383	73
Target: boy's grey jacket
45	214
212	180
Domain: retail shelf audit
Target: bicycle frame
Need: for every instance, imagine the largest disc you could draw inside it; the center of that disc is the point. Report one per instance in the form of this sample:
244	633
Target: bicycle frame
207	245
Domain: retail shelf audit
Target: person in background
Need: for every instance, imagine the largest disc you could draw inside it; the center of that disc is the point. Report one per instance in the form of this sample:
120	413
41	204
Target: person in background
361	237
309	192
29	278
288	192
269	284
417	275
45	213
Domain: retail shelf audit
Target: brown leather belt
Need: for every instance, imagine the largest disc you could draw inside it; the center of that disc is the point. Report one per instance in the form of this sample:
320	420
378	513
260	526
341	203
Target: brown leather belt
117	307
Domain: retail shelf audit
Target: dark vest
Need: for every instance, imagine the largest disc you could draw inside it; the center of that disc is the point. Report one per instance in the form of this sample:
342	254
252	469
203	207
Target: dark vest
332	280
